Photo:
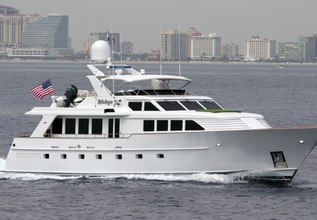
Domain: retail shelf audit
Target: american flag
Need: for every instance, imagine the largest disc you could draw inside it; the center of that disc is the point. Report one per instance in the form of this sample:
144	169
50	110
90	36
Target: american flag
43	89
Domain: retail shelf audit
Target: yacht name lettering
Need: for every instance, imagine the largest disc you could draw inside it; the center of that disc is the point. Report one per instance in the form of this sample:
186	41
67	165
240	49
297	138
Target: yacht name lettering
105	101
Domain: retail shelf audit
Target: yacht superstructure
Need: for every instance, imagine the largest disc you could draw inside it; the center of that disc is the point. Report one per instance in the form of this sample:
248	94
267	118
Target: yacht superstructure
152	130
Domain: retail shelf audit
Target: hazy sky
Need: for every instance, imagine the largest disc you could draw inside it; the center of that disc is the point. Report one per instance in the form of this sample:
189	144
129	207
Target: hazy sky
139	21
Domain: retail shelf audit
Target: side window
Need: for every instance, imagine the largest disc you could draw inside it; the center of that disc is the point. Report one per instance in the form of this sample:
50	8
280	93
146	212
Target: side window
162	125
191	105
209	104
96	126
170	105
176	125
148	125
70	125
57	126
148	106
83	126
192	126
135	106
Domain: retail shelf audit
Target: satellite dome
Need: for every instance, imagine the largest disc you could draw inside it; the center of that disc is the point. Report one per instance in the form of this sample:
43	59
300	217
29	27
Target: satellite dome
100	51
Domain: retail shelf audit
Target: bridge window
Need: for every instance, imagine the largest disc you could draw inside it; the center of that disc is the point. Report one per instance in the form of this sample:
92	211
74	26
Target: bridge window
171	106
191	105
135	106
148	106
210	104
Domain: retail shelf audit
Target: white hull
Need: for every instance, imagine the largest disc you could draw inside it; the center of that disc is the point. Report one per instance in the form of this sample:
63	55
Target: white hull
184	153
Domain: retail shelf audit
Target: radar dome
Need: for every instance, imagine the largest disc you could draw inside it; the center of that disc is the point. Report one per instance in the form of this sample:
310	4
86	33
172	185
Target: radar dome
100	51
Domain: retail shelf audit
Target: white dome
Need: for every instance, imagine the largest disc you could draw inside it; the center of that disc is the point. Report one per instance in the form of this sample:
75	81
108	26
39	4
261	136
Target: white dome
100	51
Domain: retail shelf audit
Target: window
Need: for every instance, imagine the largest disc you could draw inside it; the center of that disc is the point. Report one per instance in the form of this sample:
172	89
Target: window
117	128
70	126
176	125
171	106
81	156
98	156
96	127
110	128
64	156
160	156
119	156
139	156
57	126
192	126
162	125
148	125
191	105
135	106
148	106
210	104
83	126
46	156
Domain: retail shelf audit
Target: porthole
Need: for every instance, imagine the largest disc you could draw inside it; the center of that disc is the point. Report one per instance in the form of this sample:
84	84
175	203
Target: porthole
64	156
46	156
98	156
119	156
160	156
139	156
81	156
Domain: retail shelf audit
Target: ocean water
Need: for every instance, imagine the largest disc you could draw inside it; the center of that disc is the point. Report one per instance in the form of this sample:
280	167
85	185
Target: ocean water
286	98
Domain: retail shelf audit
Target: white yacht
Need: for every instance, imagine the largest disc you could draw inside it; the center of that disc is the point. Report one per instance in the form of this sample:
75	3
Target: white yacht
154	128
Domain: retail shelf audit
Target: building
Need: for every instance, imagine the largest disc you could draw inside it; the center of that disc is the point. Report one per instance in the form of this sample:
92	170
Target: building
310	48
113	38
11	26
192	32
230	50
205	47
50	31
257	49
291	51
173	45
5	10
127	48
38	52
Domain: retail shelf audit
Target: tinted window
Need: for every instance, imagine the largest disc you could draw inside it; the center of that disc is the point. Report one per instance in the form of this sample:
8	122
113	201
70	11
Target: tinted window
135	106
176	125
83	127
192	125
70	126
162	125
57	126
191	105
210	105
148	106
96	126
148	125
171	106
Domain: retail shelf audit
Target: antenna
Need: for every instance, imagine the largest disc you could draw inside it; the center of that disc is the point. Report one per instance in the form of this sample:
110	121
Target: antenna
179	49
160	48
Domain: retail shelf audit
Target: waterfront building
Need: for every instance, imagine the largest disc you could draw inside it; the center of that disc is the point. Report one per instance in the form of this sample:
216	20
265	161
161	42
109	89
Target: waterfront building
290	51
259	49
192	32
50	31
127	47
230	50
205	47
173	45
11	26
310	48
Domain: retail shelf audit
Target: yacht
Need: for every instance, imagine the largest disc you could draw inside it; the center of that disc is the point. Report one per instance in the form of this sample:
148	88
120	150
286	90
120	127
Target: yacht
137	123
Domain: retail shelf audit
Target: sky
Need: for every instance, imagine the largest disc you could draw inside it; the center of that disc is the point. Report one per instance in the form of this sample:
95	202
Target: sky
140	21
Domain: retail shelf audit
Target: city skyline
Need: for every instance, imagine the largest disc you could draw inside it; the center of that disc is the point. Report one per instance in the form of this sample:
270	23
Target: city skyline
234	21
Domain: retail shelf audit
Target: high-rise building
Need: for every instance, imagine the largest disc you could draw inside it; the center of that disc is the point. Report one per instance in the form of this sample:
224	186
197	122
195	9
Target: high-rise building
192	32
230	50
112	38
290	51
127	47
205	47
6	10
173	45
310	48
11	26
260	49
50	31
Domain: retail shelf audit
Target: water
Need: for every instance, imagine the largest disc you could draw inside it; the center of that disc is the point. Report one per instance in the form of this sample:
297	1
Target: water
286	98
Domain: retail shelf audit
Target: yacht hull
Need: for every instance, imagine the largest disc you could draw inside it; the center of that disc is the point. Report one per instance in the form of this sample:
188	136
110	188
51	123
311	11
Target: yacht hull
268	154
